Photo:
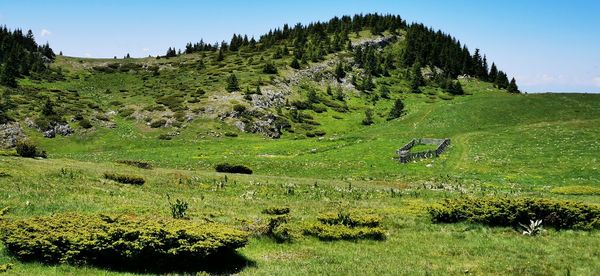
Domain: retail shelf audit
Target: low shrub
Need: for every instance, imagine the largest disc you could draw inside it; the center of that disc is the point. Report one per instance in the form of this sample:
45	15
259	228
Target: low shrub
346	226
496	211
139	164
158	123
316	133
350	219
229	168
276	211
576	190
116	242
231	134
341	232
125	178
85	123
28	149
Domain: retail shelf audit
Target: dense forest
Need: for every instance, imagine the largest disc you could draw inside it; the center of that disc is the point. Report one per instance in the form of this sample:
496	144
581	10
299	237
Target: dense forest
21	56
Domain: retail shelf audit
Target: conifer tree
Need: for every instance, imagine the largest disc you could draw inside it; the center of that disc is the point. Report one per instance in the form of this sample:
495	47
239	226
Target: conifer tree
339	72
397	110
368	120
512	86
8	74
295	64
232	83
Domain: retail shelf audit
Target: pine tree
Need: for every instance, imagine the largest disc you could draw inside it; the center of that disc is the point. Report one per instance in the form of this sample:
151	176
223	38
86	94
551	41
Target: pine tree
220	56
397	110
384	92
512	86
493	73
48	108
8	74
339	72
232	83
269	68
295	64
368	120
367	84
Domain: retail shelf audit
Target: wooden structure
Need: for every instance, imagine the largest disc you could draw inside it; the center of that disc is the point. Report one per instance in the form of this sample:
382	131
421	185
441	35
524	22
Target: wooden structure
405	154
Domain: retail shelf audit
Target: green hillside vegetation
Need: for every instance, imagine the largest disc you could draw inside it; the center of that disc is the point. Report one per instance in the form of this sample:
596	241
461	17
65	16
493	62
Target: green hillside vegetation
312	116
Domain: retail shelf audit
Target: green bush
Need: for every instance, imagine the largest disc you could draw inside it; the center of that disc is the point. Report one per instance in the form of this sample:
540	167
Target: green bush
116	242
158	123
350	219
229	168
28	149
315	133
496	211
341	232
85	123
125	178
276	211
346	226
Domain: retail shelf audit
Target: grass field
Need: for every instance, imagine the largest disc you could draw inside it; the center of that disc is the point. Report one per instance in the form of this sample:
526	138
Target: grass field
540	145
502	144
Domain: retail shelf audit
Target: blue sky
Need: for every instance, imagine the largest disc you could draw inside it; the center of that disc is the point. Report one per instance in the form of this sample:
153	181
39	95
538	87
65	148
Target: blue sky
546	45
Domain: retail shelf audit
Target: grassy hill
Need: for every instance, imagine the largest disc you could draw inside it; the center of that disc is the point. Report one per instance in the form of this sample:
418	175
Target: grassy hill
504	145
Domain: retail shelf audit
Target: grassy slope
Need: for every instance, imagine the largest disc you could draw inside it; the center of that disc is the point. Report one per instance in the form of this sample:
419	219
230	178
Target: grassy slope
501	144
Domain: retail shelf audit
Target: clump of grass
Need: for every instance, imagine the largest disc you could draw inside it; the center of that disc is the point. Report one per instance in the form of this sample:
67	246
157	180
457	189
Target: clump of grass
125	178
576	190
178	208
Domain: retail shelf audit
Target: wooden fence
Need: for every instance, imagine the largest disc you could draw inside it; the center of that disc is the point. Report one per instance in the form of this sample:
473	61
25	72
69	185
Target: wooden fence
405	155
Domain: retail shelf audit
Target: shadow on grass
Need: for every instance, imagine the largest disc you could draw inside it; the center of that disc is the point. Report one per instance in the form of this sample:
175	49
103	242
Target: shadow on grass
223	263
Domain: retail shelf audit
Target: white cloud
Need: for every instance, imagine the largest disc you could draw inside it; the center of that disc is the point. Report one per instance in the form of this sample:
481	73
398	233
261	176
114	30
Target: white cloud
145	49
45	32
88	55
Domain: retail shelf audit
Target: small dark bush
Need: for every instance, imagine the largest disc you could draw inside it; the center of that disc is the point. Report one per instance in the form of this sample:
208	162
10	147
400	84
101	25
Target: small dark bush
139	164
165	136
116	242
85	123
229	168
158	123
496	211
231	134
239	108
28	149
125	112
125	179
276	211
315	133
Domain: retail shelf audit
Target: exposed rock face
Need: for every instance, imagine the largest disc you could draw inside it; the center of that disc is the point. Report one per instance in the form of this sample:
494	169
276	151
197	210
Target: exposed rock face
268	99
269	125
10	133
60	129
